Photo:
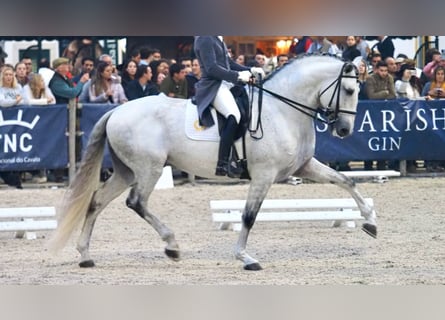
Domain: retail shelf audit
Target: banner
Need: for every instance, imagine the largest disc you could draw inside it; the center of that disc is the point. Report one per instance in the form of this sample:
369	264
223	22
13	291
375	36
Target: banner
383	130
91	113
389	130
33	137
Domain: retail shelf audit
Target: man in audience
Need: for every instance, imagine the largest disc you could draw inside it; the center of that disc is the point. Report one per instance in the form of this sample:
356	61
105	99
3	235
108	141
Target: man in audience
380	86
142	85
175	85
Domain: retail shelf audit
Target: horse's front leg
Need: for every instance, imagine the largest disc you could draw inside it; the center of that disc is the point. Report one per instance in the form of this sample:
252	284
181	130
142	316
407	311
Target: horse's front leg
314	170
257	193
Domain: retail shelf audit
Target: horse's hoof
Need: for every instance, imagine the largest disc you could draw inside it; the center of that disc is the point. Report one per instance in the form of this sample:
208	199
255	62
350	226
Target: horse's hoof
370	229
253	267
172	254
87	264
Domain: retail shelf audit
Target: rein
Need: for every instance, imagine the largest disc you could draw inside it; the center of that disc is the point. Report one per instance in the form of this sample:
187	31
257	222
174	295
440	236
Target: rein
332	115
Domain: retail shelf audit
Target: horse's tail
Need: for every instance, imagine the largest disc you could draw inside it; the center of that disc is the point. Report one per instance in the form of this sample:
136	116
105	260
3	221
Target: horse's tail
77	198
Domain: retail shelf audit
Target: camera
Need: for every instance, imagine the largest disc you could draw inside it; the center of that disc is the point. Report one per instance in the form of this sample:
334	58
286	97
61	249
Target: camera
413	72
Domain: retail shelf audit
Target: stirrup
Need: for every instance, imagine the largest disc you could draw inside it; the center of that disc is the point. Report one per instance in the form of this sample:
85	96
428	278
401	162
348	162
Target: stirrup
225	168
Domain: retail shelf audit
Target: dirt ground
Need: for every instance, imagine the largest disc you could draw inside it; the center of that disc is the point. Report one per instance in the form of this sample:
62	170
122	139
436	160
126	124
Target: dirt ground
409	248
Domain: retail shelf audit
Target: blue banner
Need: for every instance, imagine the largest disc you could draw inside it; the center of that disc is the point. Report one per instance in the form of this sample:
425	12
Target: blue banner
33	137
91	113
383	130
389	130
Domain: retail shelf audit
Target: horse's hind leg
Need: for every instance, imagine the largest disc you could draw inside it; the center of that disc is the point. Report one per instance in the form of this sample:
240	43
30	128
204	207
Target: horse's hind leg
137	200
111	189
314	170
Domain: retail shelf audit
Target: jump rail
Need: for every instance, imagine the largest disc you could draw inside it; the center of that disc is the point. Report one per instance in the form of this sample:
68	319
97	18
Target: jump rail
25	221
228	212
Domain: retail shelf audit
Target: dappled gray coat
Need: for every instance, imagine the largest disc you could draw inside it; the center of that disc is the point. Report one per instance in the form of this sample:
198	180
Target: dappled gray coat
215	67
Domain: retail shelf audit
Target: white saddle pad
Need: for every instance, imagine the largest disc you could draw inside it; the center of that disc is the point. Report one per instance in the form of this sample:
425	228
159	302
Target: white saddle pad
192	128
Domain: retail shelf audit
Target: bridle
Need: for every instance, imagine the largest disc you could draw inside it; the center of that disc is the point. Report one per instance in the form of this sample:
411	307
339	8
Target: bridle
329	112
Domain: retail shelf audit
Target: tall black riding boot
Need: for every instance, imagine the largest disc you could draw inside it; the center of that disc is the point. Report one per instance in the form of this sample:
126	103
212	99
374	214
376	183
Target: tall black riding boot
224	166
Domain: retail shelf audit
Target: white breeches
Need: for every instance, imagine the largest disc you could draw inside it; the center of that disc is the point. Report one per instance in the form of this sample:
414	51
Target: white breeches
225	103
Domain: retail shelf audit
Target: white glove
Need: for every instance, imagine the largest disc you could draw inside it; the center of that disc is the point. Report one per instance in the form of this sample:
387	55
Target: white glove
258	71
244	76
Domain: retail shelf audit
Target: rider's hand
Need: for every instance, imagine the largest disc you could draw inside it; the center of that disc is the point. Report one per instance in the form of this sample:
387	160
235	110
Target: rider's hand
244	76
258	71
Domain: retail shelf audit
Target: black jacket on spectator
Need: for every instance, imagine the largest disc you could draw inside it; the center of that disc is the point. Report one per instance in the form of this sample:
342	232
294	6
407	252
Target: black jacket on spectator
134	90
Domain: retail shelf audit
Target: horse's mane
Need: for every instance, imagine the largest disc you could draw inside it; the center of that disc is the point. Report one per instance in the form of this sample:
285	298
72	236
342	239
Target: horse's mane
301	56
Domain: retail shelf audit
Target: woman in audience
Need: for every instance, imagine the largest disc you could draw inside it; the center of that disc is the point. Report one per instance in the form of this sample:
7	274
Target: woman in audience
10	91
37	93
10	95
435	89
128	74
103	89
408	84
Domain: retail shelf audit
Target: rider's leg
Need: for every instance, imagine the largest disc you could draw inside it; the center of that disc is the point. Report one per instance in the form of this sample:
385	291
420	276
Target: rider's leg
225	104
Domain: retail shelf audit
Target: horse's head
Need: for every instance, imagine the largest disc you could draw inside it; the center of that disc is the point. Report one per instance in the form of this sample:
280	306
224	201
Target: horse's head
339	100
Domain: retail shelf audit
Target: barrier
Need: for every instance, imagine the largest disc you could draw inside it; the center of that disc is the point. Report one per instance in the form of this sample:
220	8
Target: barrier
384	130
228	212
379	176
24	221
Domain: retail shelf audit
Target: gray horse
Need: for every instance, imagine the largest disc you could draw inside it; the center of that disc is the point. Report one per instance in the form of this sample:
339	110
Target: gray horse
147	133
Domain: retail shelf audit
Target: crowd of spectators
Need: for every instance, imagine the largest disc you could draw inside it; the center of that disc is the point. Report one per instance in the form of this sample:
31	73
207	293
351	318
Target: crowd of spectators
145	72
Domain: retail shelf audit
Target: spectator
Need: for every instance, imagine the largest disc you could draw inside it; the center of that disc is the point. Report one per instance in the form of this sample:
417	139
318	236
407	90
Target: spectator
115	77
363	47
10	90
282	59
302	45
187	63
435	89
363	75
156	54
380	86
28	64
408	84
385	46
193	78
102	87
44	70
128	74
142	85
87	67
158	68
61	86
436	60
392	67
351	51
146	56
20	74
10	95
400	59
37	93
241	59
135	55
3	55
375	58
175	85
321	45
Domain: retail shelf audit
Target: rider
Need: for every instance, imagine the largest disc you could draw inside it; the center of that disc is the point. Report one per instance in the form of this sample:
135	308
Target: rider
219	73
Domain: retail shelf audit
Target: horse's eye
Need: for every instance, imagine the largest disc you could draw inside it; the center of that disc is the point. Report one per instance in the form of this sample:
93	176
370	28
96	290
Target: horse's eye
349	92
